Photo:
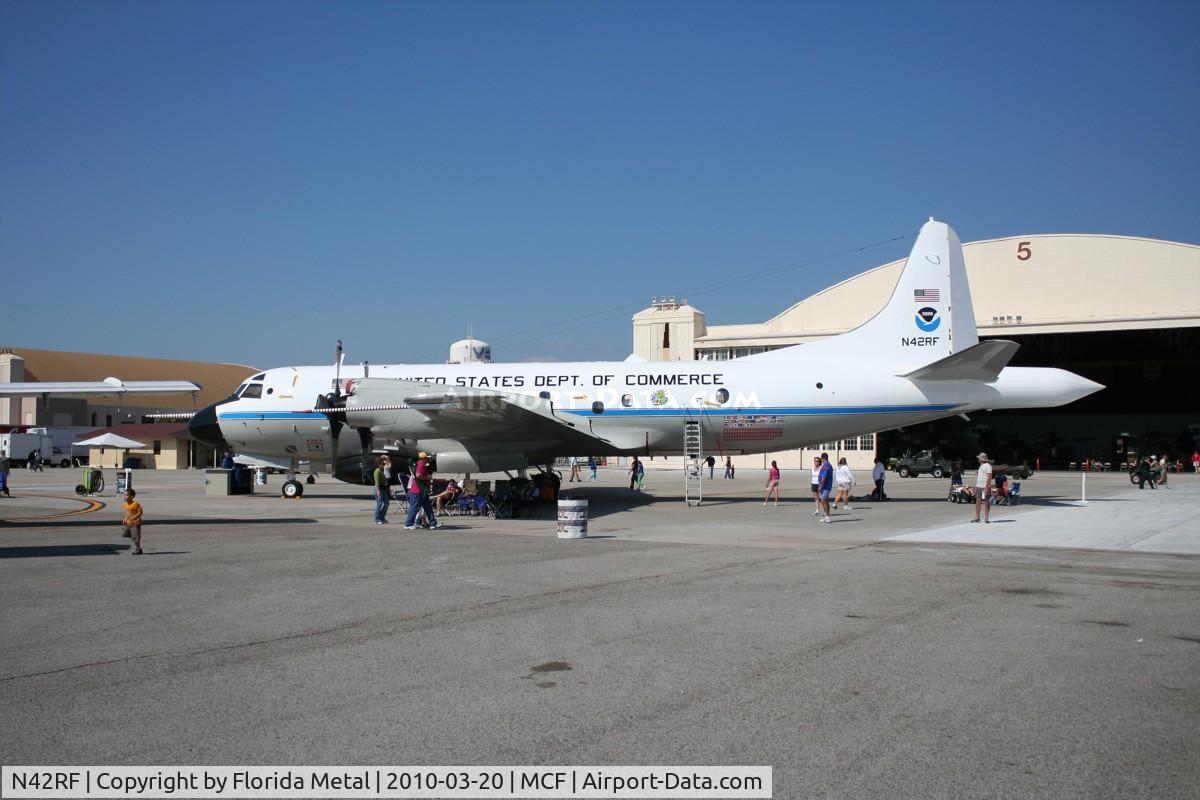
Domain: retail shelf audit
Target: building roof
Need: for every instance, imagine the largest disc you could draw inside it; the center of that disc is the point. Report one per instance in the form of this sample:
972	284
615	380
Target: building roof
217	381
1046	283
142	432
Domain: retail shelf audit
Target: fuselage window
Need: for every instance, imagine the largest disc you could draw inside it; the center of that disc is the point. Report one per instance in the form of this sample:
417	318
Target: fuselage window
597	407
271	391
253	391
722	396
627	400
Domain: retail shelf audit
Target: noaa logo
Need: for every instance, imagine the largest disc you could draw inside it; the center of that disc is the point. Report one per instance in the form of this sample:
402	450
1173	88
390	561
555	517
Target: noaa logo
927	319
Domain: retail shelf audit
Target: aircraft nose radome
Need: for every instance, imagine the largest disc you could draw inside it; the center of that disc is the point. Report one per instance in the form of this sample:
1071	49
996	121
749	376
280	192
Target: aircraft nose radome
203	428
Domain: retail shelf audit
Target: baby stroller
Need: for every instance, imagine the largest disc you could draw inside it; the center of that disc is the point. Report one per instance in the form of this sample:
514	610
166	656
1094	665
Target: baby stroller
960	494
521	498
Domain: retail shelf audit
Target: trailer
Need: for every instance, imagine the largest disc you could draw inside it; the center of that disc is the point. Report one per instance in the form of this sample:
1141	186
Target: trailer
17	447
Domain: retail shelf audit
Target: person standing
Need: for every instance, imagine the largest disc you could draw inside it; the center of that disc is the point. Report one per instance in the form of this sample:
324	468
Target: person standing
592	468
728	468
34	462
983	489
1143	474
633	472
878	474
772	484
383	493
418	493
712	463
814	486
825	485
131	525
575	476
845	482
5	471
1196	461
641	476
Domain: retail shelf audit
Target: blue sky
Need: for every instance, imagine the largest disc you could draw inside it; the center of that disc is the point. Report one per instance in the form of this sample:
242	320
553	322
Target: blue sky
250	181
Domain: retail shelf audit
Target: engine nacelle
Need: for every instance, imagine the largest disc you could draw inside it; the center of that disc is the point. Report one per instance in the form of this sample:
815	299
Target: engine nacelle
462	461
350	470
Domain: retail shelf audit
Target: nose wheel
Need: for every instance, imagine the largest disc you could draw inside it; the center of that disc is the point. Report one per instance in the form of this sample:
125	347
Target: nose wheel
293	488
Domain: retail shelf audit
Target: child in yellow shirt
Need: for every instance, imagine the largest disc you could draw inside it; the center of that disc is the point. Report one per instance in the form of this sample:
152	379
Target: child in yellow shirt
132	524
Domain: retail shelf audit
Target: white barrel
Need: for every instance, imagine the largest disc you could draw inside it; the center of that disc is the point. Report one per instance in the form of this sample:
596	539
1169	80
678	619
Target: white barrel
260	476
572	517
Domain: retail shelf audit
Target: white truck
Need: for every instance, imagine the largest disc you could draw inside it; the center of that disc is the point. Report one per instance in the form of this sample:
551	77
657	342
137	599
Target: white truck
18	446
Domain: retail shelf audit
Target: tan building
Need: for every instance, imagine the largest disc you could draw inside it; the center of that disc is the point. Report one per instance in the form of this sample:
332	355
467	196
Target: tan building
167	446
1122	310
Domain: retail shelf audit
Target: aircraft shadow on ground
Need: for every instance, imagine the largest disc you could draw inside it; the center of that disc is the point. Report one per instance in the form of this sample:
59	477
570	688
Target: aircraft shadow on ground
62	550
64	524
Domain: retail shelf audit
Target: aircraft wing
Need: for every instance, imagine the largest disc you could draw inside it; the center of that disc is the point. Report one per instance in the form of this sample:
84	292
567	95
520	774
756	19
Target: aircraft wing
475	417
108	386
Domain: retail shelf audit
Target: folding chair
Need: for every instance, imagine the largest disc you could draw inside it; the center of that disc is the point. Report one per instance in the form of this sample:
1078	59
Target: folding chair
482	506
462	507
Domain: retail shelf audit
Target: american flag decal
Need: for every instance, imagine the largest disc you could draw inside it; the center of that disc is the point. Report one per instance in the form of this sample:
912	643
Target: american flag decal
926	295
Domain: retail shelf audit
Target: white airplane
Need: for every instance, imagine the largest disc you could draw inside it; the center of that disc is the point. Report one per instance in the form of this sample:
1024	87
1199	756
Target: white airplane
917	360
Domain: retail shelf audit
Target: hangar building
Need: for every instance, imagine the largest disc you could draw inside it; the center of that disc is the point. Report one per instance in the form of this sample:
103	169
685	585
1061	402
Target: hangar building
1120	310
168	445
24	364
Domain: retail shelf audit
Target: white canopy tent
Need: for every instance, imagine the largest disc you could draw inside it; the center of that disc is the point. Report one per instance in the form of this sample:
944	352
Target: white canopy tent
109	440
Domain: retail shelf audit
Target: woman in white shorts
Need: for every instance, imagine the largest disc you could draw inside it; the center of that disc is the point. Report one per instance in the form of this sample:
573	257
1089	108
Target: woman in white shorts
845	482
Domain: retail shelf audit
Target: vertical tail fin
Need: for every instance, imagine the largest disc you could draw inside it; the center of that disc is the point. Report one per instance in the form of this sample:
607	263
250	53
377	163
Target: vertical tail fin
928	317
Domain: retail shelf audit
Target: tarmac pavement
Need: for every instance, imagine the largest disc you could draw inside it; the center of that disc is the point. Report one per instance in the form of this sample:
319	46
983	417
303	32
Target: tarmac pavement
895	652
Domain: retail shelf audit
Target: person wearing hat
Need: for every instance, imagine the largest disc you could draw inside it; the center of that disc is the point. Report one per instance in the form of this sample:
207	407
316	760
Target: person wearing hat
418	493
983	488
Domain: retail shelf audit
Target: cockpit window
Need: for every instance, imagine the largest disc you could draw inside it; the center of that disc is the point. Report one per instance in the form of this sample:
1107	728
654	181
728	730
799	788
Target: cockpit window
252	391
260	376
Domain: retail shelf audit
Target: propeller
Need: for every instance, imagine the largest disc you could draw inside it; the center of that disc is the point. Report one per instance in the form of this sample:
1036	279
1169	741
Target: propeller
364	443
335	402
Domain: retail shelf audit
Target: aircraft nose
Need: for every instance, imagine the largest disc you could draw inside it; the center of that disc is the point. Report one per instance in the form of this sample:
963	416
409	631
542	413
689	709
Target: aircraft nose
203	428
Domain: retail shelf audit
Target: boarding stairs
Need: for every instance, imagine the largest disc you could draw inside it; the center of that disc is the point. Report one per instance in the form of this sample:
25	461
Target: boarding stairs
693	463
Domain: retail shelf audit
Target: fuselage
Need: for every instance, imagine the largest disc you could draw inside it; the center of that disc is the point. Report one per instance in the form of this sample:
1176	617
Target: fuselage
743	406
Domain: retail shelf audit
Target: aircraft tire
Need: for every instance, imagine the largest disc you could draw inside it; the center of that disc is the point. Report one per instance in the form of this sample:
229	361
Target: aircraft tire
292	489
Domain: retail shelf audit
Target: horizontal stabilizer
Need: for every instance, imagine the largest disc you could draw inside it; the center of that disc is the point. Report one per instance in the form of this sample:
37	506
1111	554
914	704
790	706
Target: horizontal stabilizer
979	362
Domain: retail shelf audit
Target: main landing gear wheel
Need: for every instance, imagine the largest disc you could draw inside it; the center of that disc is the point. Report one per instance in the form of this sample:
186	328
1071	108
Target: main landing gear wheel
293	489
